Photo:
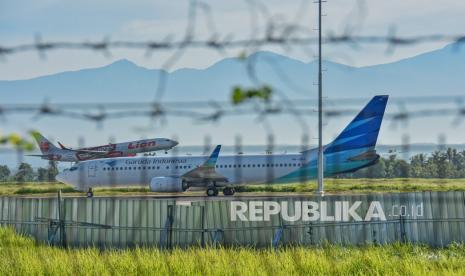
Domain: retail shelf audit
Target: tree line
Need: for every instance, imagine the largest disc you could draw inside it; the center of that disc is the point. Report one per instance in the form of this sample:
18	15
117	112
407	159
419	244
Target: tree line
440	164
25	173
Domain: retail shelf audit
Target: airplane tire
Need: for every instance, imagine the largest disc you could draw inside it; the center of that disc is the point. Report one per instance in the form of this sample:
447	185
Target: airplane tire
90	193
228	191
212	191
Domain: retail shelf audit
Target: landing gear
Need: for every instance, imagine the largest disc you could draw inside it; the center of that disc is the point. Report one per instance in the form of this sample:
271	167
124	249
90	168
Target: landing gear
90	193
212	191
228	191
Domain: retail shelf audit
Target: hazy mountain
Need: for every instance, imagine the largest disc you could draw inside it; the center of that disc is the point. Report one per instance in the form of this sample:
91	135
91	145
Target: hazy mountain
433	73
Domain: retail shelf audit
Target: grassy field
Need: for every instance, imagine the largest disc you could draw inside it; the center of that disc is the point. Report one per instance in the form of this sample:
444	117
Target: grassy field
331	186
20	255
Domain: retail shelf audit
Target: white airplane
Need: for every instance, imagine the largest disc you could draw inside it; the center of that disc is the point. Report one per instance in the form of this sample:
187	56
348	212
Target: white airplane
353	149
51	152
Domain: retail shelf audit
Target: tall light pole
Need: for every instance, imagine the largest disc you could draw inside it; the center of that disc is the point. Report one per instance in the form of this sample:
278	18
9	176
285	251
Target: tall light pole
320	110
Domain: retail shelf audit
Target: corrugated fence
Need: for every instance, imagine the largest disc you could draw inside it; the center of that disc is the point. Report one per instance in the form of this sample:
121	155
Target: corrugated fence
434	218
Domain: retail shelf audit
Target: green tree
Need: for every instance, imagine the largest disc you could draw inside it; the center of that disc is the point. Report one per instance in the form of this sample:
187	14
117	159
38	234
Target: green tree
24	173
4	173
52	170
42	174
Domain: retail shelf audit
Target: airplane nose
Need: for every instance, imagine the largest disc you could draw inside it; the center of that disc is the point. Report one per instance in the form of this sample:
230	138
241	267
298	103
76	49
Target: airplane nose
175	143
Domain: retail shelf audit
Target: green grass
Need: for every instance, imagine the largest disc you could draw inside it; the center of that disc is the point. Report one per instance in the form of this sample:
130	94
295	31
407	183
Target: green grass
331	186
22	256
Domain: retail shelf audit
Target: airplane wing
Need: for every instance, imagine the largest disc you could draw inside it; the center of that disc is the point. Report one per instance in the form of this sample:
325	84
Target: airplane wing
83	150
207	170
90	151
38	155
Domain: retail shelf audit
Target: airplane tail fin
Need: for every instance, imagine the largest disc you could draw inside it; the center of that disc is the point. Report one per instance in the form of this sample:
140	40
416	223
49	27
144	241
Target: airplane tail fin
363	131
45	145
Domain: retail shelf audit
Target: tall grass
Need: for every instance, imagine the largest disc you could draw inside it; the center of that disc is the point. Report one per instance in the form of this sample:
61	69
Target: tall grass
22	256
332	185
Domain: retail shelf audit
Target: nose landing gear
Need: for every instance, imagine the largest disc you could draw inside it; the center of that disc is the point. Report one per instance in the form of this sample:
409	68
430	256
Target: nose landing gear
90	193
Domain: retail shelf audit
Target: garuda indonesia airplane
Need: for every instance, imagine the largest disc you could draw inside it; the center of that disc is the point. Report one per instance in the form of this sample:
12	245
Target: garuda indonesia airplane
51	152
352	150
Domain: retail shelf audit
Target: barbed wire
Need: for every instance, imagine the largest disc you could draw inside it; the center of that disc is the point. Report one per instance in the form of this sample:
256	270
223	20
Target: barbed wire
214	111
105	45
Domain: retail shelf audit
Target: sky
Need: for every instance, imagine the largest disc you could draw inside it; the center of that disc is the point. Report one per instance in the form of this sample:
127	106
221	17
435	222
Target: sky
22	21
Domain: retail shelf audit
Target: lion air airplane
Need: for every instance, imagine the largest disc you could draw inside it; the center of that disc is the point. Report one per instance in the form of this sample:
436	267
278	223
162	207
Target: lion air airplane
352	150
51	152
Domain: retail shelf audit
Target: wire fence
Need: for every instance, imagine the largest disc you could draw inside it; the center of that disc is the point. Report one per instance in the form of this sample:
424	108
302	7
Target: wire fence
433	218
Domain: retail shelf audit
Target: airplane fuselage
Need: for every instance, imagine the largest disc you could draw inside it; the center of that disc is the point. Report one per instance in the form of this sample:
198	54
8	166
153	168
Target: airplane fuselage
113	150
238	169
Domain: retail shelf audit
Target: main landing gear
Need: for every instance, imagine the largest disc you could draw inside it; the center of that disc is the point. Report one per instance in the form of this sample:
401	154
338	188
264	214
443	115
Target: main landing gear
213	191
228	191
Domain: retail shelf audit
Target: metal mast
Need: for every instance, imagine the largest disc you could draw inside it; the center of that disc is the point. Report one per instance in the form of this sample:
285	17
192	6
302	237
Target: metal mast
320	110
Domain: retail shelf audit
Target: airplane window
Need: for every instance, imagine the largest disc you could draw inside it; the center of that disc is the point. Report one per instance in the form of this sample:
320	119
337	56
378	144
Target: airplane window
280	165
167	167
216	166
230	166
158	167
253	165
258	165
248	165
285	165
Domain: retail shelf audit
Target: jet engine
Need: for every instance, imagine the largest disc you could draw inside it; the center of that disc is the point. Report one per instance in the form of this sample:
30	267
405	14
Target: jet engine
167	184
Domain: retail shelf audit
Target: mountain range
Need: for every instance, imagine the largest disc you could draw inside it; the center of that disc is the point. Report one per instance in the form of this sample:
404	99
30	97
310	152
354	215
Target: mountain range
439	72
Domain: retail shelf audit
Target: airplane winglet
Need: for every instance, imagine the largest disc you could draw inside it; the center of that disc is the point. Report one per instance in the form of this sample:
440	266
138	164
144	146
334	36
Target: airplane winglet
61	146
207	170
211	161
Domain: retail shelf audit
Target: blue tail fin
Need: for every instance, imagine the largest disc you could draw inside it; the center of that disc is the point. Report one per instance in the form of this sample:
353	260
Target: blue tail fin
363	131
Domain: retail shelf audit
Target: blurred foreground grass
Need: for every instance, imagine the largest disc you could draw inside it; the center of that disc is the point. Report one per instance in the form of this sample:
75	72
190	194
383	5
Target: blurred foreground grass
20	255
332	185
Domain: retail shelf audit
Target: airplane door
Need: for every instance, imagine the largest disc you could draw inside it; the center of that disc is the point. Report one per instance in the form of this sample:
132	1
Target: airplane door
92	170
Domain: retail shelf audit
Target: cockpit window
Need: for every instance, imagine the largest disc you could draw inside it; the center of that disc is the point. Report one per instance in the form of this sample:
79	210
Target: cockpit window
73	168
